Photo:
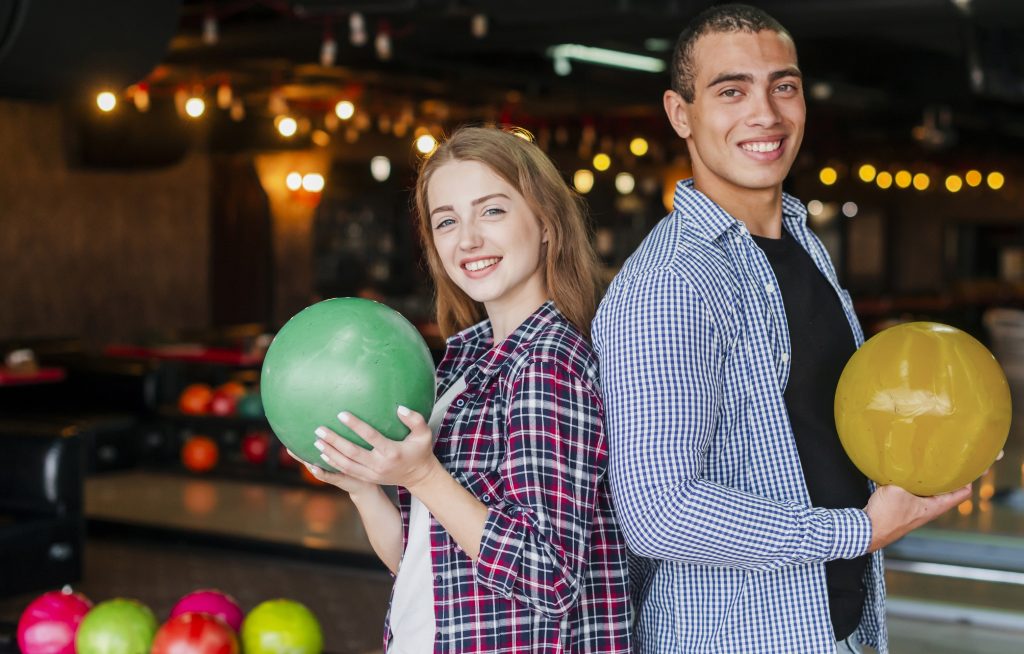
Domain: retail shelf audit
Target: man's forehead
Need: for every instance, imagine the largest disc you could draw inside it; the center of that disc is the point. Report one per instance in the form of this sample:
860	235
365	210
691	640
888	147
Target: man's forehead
743	52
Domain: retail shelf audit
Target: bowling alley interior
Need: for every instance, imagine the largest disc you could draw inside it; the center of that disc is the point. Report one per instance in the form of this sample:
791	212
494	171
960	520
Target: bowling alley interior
181	177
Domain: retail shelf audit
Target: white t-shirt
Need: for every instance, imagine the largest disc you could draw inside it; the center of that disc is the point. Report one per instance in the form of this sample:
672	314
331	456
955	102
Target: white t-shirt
412	603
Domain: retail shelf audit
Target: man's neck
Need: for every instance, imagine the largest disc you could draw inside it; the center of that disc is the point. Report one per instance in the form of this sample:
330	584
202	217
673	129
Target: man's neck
759	209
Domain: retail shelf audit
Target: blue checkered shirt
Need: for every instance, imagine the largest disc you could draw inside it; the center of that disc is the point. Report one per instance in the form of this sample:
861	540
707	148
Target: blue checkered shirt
706	479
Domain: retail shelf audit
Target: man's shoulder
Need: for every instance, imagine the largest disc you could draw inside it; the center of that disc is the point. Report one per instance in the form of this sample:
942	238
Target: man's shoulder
675	250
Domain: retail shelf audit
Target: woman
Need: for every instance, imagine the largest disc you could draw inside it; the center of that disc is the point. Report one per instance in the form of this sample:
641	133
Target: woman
505	539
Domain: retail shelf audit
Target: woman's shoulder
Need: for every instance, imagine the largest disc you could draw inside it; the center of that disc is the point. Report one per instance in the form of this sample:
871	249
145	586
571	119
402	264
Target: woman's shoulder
560	345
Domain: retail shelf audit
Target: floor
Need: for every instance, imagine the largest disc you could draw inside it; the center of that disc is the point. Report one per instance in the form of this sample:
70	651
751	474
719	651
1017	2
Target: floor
158	536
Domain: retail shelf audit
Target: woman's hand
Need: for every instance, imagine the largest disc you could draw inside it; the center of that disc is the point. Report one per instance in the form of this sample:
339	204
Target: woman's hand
404	463
354	487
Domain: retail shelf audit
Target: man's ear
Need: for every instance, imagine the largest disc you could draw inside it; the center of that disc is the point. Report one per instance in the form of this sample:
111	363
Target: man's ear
677	110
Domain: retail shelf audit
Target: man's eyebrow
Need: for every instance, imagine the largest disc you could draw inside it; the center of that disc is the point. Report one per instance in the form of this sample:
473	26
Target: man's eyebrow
792	71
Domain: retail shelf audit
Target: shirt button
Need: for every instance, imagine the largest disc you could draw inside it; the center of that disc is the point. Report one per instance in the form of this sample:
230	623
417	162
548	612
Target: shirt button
460	402
785	357
769	288
486	498
437	579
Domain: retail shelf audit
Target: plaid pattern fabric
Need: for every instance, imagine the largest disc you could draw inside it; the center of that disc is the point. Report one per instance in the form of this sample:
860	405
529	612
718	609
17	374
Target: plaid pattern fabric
526	437
694	354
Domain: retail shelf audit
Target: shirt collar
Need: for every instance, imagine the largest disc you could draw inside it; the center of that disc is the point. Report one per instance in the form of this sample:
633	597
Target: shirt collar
712	220
476	343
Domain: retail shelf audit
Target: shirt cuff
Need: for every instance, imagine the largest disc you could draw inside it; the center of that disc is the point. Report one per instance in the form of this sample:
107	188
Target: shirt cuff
501	549
852	533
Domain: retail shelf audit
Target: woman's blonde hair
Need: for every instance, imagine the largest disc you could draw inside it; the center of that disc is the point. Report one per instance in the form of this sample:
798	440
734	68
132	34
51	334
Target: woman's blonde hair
570	266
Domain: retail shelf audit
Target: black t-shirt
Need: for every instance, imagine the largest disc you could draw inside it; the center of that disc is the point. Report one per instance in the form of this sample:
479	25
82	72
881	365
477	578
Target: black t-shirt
821	343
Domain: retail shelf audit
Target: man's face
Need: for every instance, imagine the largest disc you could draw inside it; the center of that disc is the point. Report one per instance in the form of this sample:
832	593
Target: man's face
746	121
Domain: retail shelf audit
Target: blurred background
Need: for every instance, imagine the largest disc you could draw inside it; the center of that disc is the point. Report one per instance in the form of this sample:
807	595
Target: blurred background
179	177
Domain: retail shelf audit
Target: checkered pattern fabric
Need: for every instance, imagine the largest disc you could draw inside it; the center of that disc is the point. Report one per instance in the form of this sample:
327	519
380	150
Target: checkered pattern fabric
526	437
693	347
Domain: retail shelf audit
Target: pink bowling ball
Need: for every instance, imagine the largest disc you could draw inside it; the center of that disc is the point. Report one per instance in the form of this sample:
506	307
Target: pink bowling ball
213	602
48	625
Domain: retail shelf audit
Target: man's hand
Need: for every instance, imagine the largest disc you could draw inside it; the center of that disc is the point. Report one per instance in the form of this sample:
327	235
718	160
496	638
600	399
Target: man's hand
895	512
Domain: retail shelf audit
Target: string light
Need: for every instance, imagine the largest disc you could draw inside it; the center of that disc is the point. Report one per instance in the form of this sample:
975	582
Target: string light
286	126
583	180
106	101
602	161
293	181
850	209
638	146
344	109
426	143
922	181
954	183
625	183
883	179
973	178
995	180
380	168
828	176
195	106
903	178
313	182
866	173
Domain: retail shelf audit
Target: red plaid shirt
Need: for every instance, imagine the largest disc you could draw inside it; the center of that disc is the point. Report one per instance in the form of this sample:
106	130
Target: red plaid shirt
526	437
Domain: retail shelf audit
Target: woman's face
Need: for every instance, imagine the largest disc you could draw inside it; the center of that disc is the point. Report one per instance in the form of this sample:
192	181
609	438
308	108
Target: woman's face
487	237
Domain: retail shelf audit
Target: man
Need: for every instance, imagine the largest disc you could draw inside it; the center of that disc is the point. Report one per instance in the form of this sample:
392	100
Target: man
721	342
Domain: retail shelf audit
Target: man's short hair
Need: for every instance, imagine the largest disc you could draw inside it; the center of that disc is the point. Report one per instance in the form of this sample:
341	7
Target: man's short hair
720	19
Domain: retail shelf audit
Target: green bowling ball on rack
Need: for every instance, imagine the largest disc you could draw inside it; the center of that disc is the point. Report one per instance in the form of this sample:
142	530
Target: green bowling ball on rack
117	626
281	626
250	406
344	354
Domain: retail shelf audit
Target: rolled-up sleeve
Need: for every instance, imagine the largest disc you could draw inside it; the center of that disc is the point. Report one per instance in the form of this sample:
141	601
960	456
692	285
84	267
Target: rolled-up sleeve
661	356
535	542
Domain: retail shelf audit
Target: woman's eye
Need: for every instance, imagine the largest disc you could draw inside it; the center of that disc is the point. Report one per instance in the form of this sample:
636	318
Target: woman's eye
493	211
444	223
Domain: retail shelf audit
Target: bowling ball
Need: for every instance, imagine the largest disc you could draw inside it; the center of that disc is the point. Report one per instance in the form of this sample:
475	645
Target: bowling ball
234	388
195	633
211	601
281	626
223	403
250	406
195	399
923	406
199	454
308	477
117	626
255	446
49	623
344	354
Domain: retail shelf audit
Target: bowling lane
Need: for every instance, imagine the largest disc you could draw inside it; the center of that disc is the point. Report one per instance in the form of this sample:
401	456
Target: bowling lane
305	518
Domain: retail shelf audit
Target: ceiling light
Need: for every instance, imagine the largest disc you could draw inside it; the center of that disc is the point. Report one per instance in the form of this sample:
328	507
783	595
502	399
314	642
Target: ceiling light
604	57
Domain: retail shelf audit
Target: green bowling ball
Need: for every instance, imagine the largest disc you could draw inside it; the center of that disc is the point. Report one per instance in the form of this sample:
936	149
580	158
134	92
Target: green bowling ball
117	626
344	354
250	406
281	626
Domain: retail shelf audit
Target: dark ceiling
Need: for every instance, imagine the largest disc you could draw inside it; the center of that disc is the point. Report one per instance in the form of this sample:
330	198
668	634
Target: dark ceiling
881	64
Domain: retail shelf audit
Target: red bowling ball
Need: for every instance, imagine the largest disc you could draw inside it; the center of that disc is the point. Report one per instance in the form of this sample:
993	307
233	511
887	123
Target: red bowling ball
48	625
195	633
255	447
223	403
212	602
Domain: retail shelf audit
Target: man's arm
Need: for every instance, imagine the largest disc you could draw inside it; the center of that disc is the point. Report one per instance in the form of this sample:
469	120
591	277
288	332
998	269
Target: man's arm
663	379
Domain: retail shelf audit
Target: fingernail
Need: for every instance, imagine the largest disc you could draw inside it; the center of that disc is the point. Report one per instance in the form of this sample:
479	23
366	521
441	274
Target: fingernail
344	416
324	457
402	411
321	432
318	445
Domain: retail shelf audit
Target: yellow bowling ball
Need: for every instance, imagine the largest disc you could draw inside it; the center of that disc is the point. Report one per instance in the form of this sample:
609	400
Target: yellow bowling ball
923	406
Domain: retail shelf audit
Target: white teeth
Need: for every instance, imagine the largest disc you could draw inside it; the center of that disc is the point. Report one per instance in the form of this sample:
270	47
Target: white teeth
762	146
473	266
